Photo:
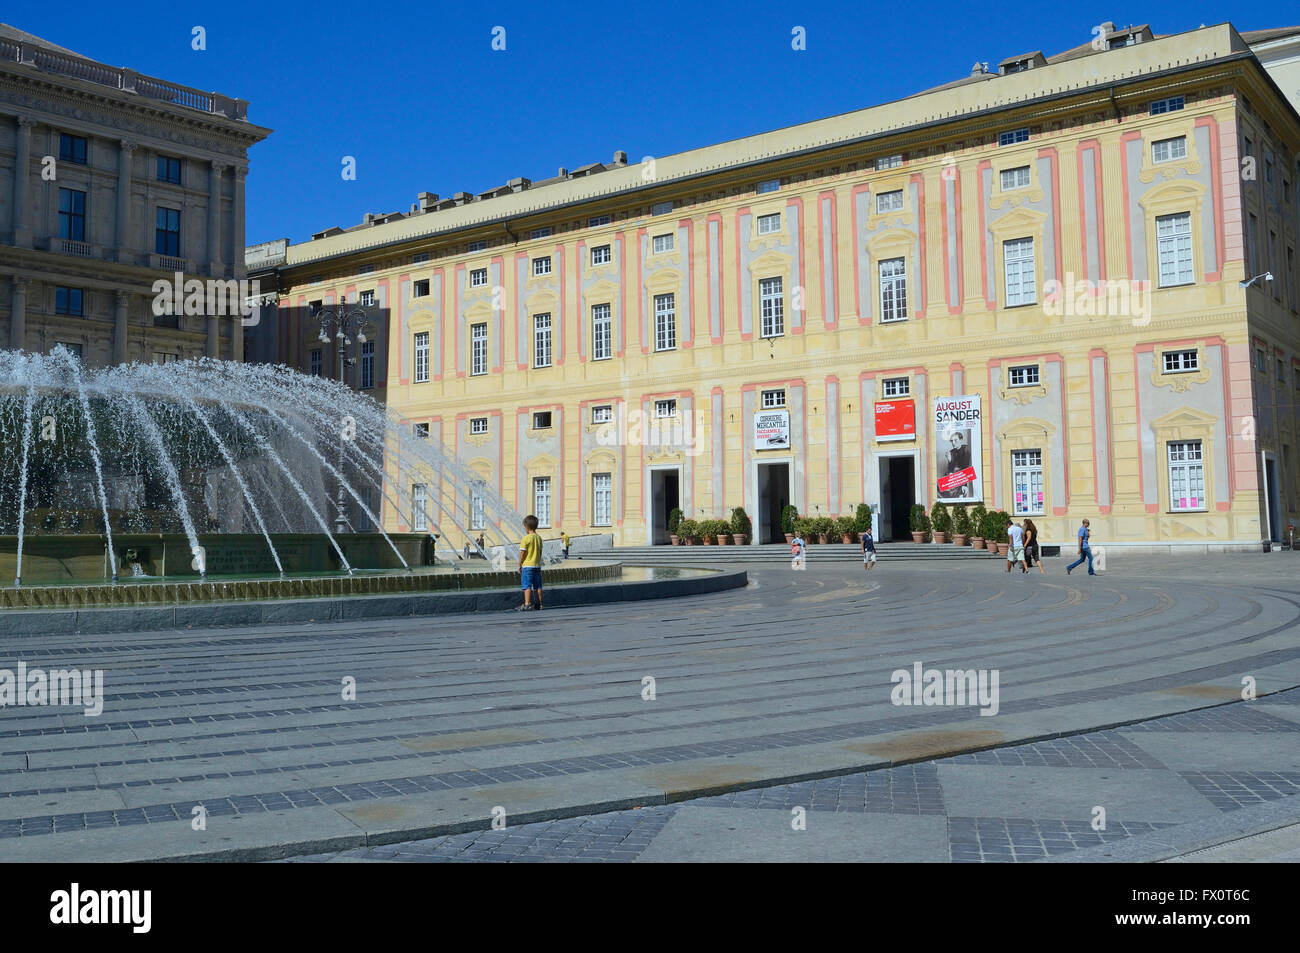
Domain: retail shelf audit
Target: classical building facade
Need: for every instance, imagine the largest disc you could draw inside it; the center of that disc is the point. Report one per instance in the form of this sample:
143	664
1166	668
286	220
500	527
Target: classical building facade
1023	288
110	181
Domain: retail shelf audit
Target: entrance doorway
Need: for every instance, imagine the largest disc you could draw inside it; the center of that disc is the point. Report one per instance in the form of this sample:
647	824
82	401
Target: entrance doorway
773	497
664	498
1274	500
897	495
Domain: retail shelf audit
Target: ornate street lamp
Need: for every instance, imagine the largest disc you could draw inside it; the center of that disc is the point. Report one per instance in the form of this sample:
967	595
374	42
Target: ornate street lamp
345	324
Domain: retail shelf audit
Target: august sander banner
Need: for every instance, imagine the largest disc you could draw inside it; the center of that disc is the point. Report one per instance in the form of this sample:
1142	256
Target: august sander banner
958	442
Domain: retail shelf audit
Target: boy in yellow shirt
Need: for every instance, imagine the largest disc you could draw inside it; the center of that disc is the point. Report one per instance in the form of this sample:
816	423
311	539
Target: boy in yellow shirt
530	565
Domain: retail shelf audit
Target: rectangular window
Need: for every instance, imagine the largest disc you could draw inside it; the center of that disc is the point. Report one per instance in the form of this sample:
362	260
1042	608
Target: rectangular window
165	357
422	357
1018	266
68	301
889	162
72	215
314	307
773	398
314	362
1013	137
772	307
542	420
1017	178
420	289
541	266
167	231
661	208
1174	248
1186	476
600	255
541	340
1290	278
666	408
169	170
665	323
478	278
420	258
596	221
478	425
71	348
1281	371
367	299
1180	362
1172	104
768	185
889	201
602	336
478	349
477	513
1251	253
72	149
767	224
896	386
367	365
544	232
663	243
602	413
1268	169
365	269
476	246
1024	376
419	507
1027	482
542	500
421	431
1259	359
893	289
602	499
1166	150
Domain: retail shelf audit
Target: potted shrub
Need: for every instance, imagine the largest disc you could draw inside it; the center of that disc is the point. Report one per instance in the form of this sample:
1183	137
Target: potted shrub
708	532
1004	523
803	526
977	514
825	528
847	527
722	530
689	532
674	522
741	527
862	518
941	520
960	525
789	515
919	523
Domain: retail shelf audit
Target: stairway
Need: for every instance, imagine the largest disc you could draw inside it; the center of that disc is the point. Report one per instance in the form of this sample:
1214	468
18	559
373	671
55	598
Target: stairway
780	553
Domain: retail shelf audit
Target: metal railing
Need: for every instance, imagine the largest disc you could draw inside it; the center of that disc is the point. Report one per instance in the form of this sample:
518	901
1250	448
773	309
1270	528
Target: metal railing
51	61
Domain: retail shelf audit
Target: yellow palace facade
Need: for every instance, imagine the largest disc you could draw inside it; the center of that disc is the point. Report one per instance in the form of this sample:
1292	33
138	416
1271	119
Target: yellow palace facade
1023	288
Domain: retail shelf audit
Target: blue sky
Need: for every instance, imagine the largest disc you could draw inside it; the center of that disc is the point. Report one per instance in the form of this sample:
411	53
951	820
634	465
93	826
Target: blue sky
418	96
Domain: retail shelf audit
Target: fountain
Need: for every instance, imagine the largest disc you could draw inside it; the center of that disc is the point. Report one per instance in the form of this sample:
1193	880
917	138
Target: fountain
175	472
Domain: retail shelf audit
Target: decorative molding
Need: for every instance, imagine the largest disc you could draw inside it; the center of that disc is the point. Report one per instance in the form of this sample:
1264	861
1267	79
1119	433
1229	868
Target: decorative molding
1024	394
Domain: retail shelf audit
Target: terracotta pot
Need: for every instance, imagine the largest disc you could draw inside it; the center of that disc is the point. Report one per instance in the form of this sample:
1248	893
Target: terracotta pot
740	539
846	537
675	540
724	539
958	540
940	537
789	538
708	540
823	538
687	541
918	537
977	542
1003	548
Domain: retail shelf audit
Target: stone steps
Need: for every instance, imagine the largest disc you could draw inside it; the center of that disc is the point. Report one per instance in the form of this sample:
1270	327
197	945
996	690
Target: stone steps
780	553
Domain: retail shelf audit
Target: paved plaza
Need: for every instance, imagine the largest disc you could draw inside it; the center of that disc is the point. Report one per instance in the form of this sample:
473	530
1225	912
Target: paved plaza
691	729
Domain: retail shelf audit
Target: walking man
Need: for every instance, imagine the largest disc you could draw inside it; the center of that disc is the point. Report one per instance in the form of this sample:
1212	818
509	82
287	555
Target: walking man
1016	546
1085	550
798	550
868	551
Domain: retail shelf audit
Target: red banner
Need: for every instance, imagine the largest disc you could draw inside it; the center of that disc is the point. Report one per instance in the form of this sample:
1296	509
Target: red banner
895	419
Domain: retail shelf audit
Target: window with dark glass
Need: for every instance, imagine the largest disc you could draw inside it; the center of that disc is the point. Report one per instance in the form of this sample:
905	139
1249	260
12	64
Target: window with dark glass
167	232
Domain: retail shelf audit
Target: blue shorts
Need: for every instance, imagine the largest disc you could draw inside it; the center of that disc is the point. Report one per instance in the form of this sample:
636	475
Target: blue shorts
530	577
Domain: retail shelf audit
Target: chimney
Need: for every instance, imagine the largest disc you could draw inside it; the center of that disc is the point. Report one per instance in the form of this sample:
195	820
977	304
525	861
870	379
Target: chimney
563	173
977	69
369	219
620	158
1107	29
518	184
460	198
427	201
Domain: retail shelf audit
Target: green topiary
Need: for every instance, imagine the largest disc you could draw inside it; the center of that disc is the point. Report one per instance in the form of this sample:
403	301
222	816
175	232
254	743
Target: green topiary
978	518
917	519
675	521
789	514
846	525
960	520
740	524
940	518
862	520
688	529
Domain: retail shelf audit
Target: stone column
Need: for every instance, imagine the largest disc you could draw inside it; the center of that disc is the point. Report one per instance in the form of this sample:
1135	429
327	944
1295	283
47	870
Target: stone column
215	265
22	172
18	313
120	318
123	234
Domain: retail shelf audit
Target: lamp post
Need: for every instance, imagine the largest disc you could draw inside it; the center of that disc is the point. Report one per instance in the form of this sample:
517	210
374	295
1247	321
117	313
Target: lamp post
343	323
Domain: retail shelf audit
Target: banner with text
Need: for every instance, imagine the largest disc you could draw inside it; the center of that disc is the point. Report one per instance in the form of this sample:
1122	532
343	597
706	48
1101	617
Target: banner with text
958	448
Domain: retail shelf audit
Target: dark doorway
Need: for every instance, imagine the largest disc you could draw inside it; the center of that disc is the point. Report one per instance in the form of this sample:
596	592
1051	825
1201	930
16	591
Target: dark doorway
897	495
664	495
1274	500
773	497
